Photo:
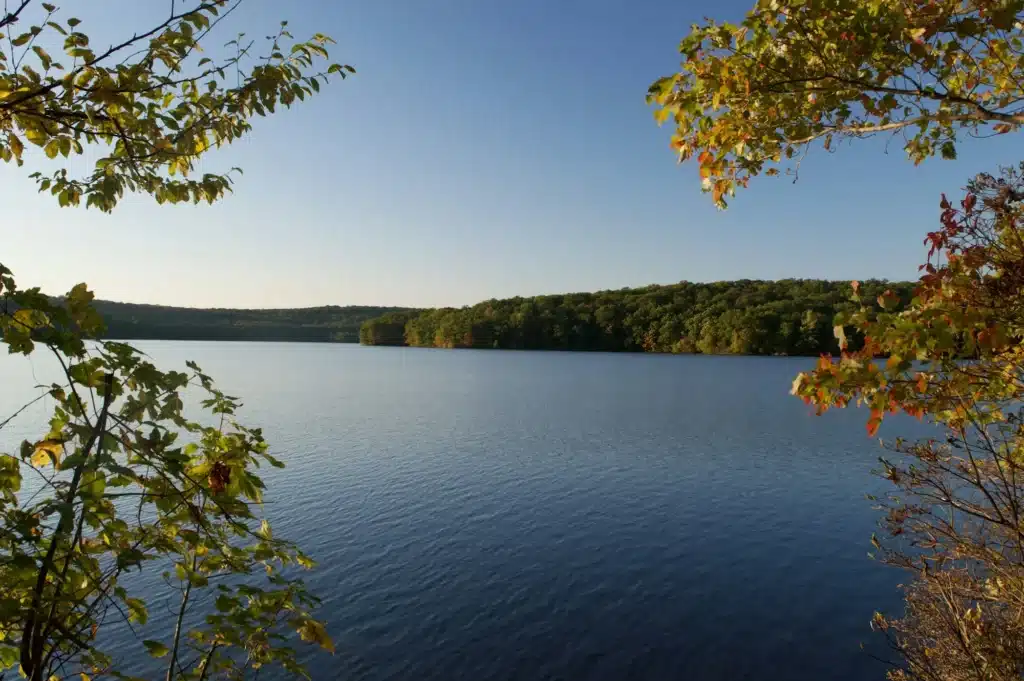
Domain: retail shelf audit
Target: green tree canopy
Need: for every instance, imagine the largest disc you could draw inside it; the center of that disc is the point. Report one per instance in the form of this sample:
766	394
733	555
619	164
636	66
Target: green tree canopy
792	317
796	72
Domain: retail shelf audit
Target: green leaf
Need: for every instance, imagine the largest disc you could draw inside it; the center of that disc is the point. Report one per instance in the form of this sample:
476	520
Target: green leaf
155	648
8	656
44	57
10	473
136	610
93	484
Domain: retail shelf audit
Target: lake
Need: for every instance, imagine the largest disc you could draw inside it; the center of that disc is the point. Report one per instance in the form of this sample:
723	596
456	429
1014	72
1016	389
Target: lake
496	515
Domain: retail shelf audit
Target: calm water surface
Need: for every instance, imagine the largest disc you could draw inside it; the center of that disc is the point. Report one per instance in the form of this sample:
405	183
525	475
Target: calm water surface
530	515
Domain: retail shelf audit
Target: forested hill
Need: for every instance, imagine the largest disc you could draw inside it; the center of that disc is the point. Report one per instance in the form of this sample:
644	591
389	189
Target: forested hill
792	317
314	324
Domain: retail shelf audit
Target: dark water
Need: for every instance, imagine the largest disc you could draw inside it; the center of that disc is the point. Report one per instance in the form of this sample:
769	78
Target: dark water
500	515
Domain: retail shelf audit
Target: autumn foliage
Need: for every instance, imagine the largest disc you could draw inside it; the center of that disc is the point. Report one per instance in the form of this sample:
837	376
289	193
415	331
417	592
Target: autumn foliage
753	97
955	358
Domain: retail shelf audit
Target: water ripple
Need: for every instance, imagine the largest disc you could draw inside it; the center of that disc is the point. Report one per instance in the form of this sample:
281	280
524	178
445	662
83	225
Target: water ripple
503	515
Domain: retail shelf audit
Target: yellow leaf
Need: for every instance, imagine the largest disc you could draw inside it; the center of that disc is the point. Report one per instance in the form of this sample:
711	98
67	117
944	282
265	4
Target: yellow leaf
314	632
15	144
31	319
47	451
36	136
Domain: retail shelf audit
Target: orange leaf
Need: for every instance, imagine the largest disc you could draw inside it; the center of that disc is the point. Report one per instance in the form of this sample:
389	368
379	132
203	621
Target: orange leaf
716	193
874	422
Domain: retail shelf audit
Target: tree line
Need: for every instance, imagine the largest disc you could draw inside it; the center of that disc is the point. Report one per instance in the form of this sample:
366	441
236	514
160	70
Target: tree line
329	323
788	317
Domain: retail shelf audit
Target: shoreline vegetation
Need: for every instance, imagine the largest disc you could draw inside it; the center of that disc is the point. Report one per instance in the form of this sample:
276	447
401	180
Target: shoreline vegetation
743	317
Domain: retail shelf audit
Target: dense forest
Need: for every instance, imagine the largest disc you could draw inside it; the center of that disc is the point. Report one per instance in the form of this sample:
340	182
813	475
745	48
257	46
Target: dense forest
314	324
790	317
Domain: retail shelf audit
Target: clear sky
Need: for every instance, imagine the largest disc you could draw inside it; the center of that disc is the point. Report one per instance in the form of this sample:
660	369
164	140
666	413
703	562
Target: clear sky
485	149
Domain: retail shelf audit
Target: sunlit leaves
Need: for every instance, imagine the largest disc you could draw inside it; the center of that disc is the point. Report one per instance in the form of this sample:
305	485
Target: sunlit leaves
963	309
124	477
314	632
152	106
119	430
756	94
10	476
8	655
954	358
46	452
137	611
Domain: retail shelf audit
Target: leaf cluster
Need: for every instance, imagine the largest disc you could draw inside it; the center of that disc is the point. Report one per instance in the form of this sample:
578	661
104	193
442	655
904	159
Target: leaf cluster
153	103
753	96
124	481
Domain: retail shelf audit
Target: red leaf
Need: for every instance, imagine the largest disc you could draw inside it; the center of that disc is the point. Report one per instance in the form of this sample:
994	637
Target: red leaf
874	422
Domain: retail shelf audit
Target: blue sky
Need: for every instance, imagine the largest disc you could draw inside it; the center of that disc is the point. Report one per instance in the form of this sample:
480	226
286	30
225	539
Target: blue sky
485	149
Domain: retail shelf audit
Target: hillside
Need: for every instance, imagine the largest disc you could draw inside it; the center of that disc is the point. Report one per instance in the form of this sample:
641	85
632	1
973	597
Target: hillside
788	317
314	324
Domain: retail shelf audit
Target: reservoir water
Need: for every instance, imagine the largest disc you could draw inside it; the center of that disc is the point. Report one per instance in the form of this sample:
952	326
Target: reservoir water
495	515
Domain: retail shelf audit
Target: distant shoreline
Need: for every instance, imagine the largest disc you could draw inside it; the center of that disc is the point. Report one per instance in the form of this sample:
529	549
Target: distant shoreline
327	324
789	317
